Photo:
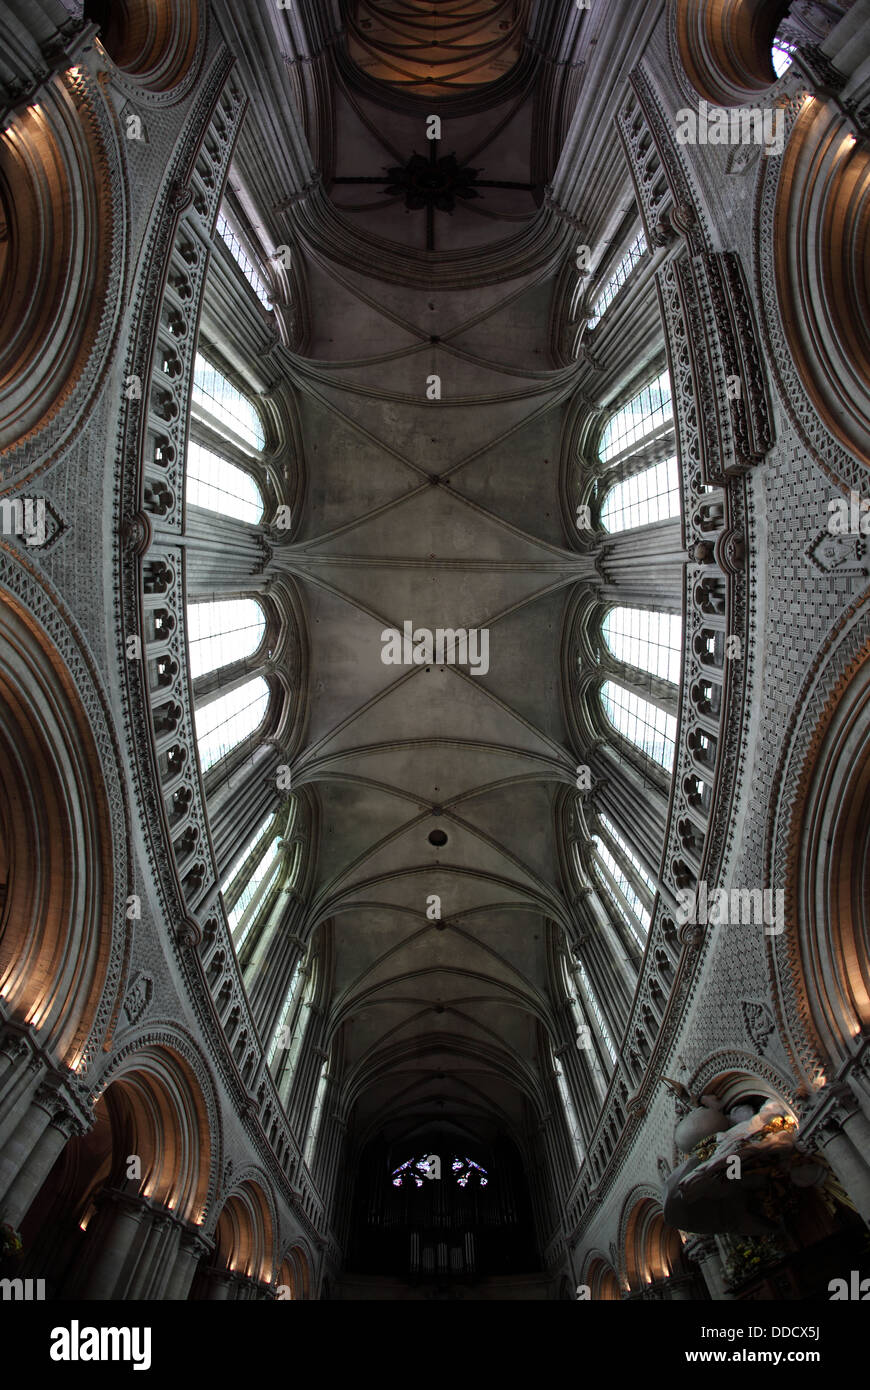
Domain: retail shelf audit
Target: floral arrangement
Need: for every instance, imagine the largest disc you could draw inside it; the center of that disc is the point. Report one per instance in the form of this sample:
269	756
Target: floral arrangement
750	1255
10	1242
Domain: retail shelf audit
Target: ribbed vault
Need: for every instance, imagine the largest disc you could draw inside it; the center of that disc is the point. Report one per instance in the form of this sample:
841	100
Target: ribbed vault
432	424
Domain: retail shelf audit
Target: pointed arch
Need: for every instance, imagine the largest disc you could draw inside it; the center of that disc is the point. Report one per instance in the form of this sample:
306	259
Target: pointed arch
225	407
640	722
642	498
217	485
225	722
648	639
647	414
223	631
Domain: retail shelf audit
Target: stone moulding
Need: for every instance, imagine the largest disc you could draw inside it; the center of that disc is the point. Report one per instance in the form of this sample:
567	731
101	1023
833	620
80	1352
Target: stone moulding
710	335
178	237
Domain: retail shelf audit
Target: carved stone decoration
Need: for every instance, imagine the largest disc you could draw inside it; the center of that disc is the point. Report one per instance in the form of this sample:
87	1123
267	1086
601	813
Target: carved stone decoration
759	1023
729	551
137	532
730	390
835	554
138	997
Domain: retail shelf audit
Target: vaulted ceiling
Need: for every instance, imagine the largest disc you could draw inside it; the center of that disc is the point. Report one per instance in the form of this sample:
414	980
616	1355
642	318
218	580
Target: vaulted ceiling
444	513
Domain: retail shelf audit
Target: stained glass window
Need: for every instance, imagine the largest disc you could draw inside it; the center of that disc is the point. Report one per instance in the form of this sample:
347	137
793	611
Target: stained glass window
645	497
647	639
640	417
644	724
226	721
465	1170
220	486
230	410
415	1171
222	632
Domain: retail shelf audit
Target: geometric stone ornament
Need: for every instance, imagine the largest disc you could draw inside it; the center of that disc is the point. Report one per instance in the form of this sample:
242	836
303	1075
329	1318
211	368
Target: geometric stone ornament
758	1021
838	554
137	998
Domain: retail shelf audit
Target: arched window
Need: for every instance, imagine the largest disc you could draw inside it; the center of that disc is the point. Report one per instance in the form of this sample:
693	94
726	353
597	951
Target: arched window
651	495
646	639
614	283
260	880
572	1119
647	726
592	1000
635	421
226	721
618	884
222	632
316	1114
782	56
283	1030
220	486
583	1031
252	272
226	407
295	1017
250	878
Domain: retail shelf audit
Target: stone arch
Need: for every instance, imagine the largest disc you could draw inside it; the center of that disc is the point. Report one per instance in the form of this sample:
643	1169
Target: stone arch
602	1279
652	1250
822	268
827	966
245	1233
61	260
725	46
58	923
157	1099
735	1076
153	41
294	1273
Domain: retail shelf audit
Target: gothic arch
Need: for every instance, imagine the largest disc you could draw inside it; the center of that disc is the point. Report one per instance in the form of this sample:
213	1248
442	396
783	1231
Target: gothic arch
652	1250
601	1278
62	258
734	1076
468	47
164	1109
822	964
295	1273
725	46
821	240
58	919
152	41
245	1232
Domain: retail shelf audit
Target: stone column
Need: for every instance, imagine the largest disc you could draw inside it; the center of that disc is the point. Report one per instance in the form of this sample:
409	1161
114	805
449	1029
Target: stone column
847	1162
192	1246
18	1064
704	1250
31	1151
161	1233
114	1233
679	1288
219	1284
